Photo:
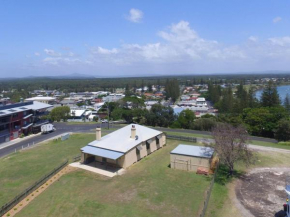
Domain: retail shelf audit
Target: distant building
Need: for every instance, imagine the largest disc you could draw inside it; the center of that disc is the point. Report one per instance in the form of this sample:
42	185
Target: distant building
113	97
201	101
43	99
77	113
19	118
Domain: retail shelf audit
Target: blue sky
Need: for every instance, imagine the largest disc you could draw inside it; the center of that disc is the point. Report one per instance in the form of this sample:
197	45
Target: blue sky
120	38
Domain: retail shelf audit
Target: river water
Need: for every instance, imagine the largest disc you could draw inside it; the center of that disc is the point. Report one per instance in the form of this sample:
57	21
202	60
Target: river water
282	90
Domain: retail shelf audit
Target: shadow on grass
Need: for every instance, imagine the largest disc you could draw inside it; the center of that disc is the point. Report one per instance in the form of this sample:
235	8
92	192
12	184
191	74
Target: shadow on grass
223	176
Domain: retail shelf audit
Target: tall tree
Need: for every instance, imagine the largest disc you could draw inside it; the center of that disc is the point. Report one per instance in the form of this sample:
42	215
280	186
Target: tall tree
270	96
231	145
172	89
287	102
186	118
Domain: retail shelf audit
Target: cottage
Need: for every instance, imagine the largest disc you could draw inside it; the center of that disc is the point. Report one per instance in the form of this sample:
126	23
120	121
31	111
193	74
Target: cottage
191	158
123	147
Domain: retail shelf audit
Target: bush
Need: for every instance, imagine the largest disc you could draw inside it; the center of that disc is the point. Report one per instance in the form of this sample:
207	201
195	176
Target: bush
175	124
21	135
284	143
204	124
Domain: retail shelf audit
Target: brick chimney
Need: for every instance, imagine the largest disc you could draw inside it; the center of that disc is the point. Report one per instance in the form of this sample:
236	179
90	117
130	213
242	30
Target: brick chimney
98	133
133	132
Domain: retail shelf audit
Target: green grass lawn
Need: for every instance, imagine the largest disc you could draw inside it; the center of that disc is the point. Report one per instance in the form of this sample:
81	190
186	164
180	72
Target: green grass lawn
269	144
221	202
19	170
148	188
189	134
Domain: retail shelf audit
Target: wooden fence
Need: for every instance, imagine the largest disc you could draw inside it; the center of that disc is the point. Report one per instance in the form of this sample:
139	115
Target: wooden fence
182	138
77	158
208	192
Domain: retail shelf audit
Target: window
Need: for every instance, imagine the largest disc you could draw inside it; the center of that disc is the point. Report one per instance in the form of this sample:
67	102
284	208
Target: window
157	141
137	151
147	145
15	115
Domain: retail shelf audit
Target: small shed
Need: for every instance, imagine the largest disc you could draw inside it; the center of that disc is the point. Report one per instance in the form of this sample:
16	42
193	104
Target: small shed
190	158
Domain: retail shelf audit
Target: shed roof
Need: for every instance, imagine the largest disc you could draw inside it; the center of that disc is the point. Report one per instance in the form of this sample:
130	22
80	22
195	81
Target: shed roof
102	152
195	151
121	141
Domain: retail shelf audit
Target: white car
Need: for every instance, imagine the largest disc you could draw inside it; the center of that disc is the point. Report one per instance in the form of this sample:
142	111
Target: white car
104	121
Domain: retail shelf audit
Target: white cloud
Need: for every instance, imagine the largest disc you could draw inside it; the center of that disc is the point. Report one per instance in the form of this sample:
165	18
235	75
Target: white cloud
253	38
52	53
135	15
101	50
283	41
179	49
37	54
277	19
60	61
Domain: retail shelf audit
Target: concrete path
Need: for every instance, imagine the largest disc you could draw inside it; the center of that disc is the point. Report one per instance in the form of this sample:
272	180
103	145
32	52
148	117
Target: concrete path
97	170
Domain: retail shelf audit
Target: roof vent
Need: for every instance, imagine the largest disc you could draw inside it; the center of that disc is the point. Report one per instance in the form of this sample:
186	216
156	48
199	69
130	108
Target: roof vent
136	137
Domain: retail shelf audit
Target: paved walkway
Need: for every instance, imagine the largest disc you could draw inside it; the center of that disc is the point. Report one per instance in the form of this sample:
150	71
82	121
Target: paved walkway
100	171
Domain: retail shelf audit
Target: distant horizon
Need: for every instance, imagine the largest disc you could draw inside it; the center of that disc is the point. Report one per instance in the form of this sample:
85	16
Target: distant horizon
131	39
83	76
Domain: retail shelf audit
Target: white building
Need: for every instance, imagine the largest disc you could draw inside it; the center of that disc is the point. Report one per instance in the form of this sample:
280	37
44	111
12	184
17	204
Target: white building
113	97
43	99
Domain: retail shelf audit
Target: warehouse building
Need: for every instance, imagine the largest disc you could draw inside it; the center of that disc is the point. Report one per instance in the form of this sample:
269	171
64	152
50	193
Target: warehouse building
123	147
191	158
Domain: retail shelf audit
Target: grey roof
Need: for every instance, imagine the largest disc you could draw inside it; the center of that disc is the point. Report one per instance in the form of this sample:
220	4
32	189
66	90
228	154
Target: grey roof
31	106
196	151
102	152
121	141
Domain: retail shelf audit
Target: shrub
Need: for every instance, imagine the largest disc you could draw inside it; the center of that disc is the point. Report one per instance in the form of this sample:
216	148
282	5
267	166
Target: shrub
21	135
284	143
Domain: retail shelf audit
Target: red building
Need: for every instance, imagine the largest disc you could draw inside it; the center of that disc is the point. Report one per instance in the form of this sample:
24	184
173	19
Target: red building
21	118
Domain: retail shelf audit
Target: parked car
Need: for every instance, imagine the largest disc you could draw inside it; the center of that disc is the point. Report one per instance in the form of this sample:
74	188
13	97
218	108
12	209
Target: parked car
104	121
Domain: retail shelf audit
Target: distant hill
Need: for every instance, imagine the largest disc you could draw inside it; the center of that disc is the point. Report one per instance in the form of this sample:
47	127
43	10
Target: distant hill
70	76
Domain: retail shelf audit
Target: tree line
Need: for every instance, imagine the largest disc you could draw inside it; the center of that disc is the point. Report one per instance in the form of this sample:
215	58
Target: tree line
267	117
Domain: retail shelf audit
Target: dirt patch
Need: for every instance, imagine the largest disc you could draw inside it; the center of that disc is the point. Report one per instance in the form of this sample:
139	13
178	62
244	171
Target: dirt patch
261	191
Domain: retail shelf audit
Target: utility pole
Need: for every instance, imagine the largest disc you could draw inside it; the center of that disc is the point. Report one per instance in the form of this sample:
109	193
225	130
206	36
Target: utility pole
108	110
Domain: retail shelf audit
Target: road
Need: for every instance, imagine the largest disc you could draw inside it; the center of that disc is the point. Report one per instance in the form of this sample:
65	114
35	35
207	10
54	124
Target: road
61	128
86	128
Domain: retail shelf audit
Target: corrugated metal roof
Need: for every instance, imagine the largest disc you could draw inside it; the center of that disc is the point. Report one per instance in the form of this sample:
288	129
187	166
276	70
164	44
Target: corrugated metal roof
121	141
33	106
196	151
102	152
